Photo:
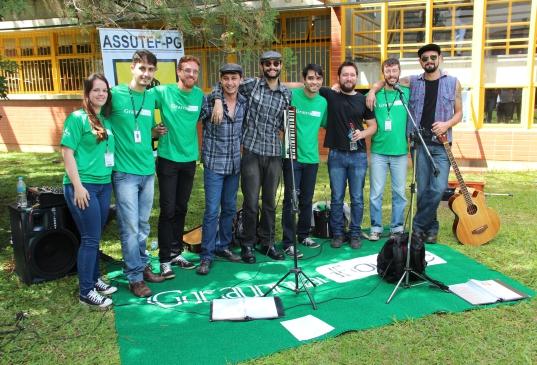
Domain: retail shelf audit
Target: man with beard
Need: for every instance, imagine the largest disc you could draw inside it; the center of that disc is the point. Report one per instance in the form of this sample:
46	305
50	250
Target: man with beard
389	151
133	177
436	105
347	159
180	106
261	163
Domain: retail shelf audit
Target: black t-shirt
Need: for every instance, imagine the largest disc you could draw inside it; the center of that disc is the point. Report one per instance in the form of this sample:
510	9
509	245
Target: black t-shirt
429	108
343	109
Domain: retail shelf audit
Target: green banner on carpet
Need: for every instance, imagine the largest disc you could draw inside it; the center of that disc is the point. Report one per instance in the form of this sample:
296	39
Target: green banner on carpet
173	325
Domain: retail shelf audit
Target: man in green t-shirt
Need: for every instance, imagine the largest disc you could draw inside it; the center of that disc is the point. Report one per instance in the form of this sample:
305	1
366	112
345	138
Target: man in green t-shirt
180	106
310	116
389	151
132	122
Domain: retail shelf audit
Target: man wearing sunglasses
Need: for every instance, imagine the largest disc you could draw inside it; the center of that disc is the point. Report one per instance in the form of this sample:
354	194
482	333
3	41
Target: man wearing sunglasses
436	105
261	162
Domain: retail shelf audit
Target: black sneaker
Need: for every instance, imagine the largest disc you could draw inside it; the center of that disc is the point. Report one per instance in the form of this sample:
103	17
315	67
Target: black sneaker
166	270
290	251
103	288
95	300
183	263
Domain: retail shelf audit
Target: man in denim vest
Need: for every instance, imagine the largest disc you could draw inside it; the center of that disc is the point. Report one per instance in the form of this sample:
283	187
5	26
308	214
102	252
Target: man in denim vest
436	105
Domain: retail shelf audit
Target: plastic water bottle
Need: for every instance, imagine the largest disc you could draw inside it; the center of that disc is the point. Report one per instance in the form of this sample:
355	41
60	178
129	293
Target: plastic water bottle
21	193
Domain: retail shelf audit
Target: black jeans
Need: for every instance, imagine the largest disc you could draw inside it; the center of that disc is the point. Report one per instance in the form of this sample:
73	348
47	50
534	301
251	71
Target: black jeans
305	177
259	173
175	181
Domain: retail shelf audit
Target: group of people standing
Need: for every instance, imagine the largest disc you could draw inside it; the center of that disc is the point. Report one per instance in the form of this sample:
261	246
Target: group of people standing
107	146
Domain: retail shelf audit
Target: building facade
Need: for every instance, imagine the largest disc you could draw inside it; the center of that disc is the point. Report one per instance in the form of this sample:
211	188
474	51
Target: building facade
490	45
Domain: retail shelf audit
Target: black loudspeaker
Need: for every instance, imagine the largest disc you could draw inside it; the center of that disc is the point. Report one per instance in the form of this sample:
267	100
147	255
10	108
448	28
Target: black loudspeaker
45	243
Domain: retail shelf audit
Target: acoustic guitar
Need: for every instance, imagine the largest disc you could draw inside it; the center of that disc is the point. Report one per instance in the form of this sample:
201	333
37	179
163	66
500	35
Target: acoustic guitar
475	224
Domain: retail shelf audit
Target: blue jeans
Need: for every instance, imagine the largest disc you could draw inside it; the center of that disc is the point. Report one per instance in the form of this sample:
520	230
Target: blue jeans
430	188
343	166
90	222
305	177
220	198
380	164
134	200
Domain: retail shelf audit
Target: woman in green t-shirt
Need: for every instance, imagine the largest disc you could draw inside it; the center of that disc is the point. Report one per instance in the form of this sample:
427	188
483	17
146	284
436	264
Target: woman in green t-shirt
88	152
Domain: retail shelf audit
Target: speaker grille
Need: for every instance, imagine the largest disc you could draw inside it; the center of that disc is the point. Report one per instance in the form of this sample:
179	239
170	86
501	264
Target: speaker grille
53	253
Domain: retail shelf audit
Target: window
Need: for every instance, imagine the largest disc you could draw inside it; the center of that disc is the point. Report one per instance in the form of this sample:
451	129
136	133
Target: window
503	106
507	27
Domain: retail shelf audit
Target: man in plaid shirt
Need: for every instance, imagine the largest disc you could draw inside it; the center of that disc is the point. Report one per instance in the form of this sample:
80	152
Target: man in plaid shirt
221	155
261	163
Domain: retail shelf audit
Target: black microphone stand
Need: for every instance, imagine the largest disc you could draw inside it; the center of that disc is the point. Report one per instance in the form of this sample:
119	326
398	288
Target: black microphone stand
295	270
414	136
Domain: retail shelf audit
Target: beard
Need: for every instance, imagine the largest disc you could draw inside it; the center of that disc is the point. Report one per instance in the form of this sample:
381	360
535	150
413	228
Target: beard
430	68
388	82
347	89
269	77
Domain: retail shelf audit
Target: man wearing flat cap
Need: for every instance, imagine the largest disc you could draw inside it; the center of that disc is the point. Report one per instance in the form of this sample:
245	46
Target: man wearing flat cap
221	156
261	163
436	105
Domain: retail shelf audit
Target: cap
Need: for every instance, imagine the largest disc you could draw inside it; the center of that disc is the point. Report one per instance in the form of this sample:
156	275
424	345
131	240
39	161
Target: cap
429	47
230	68
270	55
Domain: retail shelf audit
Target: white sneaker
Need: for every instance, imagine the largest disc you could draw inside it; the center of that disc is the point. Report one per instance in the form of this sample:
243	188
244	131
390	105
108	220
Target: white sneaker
104	288
166	270
95	300
309	242
374	236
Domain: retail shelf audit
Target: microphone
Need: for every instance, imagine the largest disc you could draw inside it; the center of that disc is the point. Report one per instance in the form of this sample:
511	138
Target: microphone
397	86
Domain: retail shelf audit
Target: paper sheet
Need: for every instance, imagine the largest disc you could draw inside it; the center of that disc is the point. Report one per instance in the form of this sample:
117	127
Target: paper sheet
307	327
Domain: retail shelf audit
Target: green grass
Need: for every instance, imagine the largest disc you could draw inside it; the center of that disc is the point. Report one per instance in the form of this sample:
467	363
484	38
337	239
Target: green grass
58	330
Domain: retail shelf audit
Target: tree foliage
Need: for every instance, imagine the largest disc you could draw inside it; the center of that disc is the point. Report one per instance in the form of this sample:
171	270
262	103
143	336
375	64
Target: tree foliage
229	25
6	66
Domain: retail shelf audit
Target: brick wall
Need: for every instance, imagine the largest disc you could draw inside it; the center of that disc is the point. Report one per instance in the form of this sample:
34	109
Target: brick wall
37	125
33	125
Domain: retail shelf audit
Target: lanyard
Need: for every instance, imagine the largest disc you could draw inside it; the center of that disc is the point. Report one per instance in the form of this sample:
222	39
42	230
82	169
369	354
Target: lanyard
388	106
136	114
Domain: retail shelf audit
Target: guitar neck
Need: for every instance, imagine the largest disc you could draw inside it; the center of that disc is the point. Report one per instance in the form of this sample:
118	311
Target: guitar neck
458	174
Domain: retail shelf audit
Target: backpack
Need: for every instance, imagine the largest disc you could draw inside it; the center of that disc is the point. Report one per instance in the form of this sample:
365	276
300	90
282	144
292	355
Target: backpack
391	259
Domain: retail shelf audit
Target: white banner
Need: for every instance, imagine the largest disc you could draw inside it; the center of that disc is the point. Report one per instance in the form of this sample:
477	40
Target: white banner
361	267
118	46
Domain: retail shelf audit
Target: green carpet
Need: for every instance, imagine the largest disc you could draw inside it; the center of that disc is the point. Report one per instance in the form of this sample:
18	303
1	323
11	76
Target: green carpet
173	326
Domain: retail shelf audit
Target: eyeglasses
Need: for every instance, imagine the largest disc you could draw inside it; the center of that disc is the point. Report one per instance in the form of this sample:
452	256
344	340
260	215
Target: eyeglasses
274	63
426	58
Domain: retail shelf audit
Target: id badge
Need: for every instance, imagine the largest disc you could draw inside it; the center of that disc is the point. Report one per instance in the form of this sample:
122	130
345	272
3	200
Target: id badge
137	137
109	159
388	125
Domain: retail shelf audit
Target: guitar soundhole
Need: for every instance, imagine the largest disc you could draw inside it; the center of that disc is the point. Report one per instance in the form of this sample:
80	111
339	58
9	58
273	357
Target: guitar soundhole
472	209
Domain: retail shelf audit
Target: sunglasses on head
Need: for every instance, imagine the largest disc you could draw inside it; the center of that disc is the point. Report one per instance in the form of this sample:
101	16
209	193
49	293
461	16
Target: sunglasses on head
426	58
274	63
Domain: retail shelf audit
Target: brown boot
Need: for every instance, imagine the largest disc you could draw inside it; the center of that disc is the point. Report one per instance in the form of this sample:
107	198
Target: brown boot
150	277
140	289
